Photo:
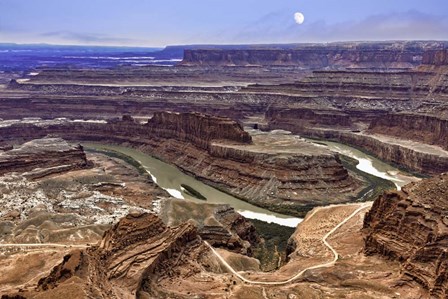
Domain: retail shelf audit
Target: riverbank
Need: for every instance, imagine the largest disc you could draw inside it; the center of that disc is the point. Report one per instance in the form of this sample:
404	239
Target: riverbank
171	178
368	163
376	185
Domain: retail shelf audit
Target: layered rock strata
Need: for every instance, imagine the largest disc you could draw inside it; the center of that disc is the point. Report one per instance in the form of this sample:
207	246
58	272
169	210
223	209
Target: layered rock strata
413	156
411	226
220	225
363	55
41	157
276	172
196	128
424	128
410	106
369	92
133	250
232	231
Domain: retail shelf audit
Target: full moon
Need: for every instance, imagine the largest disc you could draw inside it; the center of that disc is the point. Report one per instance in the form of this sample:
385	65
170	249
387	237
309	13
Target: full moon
299	18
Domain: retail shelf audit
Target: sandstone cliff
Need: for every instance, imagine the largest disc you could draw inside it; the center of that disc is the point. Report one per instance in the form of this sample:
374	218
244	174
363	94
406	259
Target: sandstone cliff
435	57
425	128
136	249
413	156
42	157
316	56
219	225
291	180
409	106
412	227
199	129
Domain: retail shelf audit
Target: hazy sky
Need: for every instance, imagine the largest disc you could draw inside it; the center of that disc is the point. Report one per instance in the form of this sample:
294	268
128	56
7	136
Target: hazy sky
164	22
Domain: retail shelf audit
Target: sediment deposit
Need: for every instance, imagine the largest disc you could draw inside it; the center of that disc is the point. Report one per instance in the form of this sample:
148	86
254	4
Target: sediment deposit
57	202
411	227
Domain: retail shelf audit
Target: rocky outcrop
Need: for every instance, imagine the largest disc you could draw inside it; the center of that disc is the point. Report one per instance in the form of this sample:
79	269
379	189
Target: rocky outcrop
134	250
219	225
411	227
425	128
316	56
416	157
196	128
235	233
238	224
435	57
41	157
286	179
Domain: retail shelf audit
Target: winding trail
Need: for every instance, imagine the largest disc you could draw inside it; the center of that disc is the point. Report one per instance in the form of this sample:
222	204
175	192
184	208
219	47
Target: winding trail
324	240
42	245
223	261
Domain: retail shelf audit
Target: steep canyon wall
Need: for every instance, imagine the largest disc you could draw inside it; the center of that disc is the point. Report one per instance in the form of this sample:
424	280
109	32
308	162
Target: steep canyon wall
411	227
316	56
214	150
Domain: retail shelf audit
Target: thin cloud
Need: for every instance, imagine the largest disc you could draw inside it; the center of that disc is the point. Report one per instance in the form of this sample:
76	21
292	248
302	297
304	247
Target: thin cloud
411	25
91	38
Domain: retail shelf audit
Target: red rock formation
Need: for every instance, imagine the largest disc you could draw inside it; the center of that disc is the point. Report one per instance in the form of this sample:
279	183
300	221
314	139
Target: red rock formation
425	128
290	182
435	57
412	227
131	252
407	105
42	157
199	129
414	159
236	223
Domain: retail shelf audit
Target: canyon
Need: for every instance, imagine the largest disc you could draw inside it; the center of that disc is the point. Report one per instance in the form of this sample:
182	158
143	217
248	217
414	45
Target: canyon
96	224
405	104
276	171
398	116
141	257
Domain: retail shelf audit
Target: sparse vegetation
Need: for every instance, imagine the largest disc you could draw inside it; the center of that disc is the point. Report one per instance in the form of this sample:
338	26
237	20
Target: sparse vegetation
193	192
376	186
272	252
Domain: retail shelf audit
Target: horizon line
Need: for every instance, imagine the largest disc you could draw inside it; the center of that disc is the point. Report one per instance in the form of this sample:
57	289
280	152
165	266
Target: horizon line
218	44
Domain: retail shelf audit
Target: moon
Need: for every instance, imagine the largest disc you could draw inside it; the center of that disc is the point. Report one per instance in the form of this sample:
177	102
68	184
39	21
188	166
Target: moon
299	18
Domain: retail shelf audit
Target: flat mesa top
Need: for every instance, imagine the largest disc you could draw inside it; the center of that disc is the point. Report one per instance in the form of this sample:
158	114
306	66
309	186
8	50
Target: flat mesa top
414	145
39	146
279	142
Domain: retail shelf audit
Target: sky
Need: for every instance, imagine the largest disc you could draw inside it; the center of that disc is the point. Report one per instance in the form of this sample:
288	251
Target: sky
175	22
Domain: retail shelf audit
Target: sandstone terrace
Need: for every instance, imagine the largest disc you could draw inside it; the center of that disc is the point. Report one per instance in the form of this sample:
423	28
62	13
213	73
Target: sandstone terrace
294	181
